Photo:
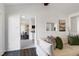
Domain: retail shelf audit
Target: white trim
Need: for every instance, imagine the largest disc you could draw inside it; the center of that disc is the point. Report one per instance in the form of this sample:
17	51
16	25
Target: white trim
35	33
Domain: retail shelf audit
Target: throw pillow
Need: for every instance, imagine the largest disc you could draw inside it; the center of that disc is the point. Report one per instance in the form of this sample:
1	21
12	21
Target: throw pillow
52	40
59	43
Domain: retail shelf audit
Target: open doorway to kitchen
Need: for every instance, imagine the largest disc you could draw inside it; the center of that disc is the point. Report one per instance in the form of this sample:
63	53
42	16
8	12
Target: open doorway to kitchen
27	30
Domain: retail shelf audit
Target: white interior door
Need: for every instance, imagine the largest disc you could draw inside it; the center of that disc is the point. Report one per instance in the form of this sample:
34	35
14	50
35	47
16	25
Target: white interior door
13	32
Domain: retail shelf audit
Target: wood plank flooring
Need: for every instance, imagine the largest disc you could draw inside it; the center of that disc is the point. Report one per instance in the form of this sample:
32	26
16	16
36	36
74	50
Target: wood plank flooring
28	52
23	52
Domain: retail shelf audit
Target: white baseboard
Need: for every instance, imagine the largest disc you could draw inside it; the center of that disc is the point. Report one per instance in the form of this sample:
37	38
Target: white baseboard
13	50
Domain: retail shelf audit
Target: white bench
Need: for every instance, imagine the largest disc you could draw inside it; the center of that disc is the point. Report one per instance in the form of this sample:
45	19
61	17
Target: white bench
44	48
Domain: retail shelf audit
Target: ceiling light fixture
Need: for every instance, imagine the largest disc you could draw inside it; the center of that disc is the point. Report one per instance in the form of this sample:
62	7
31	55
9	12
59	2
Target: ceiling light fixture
46	4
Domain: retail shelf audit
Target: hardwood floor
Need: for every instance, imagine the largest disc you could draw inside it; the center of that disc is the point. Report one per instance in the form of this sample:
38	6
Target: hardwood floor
28	52
23	52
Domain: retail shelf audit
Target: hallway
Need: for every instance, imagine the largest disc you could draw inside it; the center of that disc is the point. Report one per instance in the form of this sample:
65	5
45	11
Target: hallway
27	44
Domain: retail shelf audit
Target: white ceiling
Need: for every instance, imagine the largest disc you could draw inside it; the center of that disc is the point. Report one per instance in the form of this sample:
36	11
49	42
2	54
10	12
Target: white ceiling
66	8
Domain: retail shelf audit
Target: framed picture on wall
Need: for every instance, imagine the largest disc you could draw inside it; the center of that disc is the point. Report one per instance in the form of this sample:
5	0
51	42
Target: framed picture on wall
62	26
50	26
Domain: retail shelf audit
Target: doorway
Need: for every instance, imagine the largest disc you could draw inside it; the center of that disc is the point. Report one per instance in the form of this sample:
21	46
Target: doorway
27	32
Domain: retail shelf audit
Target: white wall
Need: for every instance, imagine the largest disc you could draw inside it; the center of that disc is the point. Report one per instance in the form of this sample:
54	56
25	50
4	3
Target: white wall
13	32
2	29
43	14
41	32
